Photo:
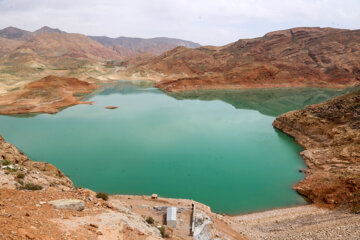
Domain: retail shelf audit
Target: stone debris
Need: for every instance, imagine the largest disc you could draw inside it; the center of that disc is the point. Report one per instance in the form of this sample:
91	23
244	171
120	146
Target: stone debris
69	204
205	228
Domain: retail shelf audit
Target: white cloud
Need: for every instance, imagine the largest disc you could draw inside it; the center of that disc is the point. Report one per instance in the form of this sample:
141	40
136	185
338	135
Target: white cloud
206	21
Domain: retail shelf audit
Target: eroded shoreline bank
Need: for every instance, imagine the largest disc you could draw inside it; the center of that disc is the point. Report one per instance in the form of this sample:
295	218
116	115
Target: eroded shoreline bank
330	134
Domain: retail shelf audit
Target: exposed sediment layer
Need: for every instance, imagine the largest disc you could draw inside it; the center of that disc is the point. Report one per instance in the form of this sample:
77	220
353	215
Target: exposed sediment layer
330	132
46	95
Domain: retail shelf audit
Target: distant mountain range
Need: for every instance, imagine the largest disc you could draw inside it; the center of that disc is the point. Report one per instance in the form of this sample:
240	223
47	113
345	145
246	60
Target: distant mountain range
46	51
122	46
298	57
140	45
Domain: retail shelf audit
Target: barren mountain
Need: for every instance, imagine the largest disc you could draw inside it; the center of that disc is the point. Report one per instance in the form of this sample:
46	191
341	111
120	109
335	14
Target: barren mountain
47	29
8	45
15	33
70	44
67	53
295	57
140	45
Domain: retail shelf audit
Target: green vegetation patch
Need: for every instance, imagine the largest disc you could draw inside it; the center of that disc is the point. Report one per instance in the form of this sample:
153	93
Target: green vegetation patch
150	220
102	195
6	162
31	187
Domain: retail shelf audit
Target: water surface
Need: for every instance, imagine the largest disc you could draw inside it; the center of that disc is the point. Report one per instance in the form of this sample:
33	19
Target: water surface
216	147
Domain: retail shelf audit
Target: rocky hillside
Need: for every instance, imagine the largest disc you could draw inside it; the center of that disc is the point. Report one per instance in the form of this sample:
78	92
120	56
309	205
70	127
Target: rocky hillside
322	57
135	46
57	44
330	133
16	33
9	45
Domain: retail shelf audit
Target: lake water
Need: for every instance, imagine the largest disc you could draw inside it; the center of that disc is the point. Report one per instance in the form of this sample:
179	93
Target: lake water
216	147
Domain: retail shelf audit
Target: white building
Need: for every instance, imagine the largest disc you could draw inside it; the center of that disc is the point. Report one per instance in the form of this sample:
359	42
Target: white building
171	217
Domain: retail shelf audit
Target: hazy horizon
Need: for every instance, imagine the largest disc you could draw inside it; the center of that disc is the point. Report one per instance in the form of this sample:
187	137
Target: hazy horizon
208	23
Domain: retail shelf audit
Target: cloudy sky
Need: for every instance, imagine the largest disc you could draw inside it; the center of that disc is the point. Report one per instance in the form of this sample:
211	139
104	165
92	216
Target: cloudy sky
209	22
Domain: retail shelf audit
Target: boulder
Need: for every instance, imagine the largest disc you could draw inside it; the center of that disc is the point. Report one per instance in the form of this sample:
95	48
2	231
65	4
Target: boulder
70	204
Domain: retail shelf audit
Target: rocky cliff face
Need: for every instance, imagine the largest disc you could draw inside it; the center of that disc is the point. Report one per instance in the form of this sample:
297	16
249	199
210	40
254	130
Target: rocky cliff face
330	132
322	57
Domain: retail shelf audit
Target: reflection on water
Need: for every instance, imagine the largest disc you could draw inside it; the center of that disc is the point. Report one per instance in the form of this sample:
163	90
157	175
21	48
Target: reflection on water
271	102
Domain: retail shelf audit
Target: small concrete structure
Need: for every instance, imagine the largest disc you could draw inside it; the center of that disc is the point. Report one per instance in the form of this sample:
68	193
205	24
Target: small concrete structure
171	217
154	196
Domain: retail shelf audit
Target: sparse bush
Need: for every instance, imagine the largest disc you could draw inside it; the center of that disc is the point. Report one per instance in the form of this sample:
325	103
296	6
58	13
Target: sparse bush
102	195
162	231
12	169
20	175
6	163
32	187
165	232
150	220
355	209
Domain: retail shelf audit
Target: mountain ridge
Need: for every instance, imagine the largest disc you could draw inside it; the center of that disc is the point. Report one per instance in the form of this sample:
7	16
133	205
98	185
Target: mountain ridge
322	57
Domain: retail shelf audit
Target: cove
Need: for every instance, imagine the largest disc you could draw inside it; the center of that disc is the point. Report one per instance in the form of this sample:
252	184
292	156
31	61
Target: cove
216	147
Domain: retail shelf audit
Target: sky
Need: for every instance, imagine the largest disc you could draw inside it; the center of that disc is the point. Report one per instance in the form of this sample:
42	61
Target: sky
208	22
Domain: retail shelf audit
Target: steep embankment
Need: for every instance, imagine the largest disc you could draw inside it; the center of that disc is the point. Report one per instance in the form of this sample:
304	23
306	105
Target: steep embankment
330	132
322	57
46	95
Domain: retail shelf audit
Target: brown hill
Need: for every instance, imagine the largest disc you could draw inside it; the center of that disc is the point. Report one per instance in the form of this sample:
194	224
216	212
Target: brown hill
57	44
323	57
8	45
47	29
54	51
16	33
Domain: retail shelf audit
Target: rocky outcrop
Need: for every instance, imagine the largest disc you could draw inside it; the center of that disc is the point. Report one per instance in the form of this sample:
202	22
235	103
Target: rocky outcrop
18	171
69	204
322	57
46	95
330	133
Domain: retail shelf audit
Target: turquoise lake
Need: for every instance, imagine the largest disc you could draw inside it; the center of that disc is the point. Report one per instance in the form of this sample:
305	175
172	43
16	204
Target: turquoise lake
216	147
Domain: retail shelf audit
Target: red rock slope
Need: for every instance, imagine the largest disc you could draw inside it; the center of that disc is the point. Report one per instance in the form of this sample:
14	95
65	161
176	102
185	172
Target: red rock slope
322	57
